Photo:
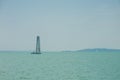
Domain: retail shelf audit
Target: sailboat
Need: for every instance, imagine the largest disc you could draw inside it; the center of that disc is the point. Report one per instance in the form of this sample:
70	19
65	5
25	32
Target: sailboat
38	51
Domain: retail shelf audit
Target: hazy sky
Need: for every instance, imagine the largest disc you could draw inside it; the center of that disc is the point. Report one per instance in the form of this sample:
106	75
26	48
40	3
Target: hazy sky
61	24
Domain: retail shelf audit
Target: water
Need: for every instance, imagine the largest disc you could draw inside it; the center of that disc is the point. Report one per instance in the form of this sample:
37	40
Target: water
59	66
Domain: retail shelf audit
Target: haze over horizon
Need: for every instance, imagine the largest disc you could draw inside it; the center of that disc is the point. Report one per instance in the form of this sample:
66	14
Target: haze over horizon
61	24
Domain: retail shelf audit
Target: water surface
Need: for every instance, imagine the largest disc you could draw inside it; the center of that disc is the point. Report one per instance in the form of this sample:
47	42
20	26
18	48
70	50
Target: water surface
59	66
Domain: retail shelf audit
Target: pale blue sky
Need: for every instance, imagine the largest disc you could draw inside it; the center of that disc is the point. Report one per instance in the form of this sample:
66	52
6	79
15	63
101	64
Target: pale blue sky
61	24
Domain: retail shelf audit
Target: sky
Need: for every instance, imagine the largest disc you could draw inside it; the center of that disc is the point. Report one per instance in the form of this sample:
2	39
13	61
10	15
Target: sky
61	24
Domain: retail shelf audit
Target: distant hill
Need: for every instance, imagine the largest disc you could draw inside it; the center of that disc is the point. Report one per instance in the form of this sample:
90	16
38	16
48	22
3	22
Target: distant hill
99	50
95	50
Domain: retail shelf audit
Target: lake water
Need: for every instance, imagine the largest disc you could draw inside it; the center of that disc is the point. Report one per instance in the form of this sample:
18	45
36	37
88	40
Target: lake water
59	66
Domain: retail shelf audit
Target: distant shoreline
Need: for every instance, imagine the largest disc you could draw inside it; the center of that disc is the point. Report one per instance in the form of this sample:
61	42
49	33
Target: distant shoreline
82	50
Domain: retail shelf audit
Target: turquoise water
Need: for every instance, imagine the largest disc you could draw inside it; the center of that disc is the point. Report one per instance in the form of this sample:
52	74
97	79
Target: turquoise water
59	66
